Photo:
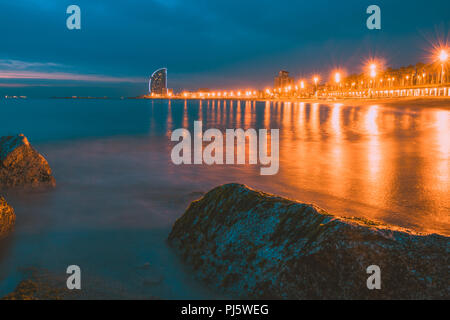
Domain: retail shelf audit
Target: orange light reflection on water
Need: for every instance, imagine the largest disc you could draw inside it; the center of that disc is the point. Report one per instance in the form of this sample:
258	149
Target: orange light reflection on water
378	162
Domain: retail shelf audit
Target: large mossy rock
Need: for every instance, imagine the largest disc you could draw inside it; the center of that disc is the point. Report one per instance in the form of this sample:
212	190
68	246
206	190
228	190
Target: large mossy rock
7	218
21	165
250	244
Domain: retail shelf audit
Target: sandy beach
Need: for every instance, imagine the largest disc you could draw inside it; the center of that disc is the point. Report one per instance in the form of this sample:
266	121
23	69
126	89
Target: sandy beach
431	102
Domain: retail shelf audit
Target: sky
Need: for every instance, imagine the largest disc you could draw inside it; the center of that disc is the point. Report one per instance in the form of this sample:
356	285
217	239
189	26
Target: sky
204	43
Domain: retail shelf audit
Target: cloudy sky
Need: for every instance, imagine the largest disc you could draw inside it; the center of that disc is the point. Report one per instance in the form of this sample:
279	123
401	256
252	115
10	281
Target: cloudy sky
203	43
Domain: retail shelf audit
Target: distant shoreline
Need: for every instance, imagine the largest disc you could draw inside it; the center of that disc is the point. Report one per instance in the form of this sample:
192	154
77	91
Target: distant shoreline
83	98
441	102
438	102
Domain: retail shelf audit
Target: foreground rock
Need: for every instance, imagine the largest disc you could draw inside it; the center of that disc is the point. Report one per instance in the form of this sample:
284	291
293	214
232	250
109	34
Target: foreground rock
21	165
31	290
7	218
42	287
43	284
250	244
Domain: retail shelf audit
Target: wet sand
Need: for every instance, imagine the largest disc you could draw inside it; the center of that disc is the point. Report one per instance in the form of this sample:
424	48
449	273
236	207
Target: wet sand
423	102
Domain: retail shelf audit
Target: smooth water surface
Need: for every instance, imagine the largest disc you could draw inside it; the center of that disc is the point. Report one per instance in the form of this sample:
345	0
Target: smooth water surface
118	192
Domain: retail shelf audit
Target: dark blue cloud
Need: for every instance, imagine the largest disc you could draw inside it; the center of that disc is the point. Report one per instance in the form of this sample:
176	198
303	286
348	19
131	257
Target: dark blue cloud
214	43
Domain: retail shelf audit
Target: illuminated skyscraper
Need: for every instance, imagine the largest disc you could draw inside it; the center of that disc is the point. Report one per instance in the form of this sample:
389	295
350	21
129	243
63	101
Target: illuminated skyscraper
158	82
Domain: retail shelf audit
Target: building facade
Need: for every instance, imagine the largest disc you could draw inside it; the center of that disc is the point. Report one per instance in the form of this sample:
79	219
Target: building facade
283	80
158	82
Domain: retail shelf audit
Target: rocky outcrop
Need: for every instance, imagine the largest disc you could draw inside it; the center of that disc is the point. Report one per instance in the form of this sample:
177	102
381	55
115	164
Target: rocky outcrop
21	165
250	244
7	218
37	289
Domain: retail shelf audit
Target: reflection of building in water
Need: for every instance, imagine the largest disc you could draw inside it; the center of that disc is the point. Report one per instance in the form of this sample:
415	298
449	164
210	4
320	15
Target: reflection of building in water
283	80
158	82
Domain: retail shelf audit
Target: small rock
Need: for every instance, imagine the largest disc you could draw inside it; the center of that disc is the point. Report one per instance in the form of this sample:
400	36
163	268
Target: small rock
7	217
21	165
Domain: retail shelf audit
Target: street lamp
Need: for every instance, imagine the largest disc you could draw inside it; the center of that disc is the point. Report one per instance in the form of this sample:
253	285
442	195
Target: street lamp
337	78
316	80
443	56
373	72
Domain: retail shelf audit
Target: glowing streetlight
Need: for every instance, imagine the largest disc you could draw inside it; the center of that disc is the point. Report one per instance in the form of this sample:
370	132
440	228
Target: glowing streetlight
443	57
316	80
373	70
337	77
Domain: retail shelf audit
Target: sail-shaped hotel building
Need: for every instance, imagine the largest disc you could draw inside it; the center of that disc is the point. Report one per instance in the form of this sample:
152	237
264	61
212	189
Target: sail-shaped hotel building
158	82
